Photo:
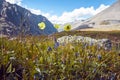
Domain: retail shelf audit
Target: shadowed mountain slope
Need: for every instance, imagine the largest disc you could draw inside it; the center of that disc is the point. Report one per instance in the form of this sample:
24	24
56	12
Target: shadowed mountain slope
15	20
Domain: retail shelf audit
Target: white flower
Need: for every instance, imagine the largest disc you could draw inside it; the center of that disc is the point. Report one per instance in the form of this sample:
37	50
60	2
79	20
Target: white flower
37	69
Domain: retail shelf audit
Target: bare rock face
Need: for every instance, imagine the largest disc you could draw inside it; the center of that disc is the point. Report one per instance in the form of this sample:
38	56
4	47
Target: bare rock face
15	20
87	41
108	18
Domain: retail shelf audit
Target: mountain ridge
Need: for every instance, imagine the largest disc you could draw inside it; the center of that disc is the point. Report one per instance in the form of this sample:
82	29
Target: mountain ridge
108	18
14	19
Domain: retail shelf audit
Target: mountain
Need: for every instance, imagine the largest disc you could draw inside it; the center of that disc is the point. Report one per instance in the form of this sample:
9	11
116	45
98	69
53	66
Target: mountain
79	25
15	20
74	25
108	19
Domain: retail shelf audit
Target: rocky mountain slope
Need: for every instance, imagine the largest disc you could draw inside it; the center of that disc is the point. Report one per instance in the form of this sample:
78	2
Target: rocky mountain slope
108	19
15	20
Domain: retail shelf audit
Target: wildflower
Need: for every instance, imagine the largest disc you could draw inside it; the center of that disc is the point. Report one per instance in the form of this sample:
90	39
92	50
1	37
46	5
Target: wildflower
99	57
42	25
38	70
56	45
49	49
56	26
67	27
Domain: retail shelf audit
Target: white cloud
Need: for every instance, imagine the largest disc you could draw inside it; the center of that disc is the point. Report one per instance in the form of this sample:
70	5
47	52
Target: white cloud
38	12
76	14
34	11
15	1
102	7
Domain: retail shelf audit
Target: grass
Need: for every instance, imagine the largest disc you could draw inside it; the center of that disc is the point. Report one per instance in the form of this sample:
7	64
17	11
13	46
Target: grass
36	57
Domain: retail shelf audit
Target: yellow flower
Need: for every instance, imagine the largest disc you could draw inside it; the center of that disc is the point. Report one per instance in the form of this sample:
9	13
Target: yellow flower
41	25
67	27
56	26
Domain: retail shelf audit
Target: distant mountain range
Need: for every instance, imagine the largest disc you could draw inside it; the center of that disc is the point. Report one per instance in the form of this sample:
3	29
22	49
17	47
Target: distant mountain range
108	19
15	20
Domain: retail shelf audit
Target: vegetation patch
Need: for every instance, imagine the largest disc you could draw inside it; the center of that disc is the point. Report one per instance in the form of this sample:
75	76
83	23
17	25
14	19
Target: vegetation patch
42	57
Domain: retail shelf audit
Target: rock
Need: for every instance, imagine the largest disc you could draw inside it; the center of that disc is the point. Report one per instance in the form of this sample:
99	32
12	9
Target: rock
105	43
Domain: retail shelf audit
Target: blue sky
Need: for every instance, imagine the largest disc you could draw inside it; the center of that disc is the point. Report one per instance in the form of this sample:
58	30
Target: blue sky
63	11
59	6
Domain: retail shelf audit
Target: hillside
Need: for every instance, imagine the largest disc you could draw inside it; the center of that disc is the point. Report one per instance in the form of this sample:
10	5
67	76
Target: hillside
106	20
